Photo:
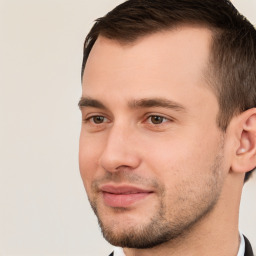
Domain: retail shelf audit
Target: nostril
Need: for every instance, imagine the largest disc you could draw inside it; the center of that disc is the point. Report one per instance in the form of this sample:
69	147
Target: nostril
119	162
123	167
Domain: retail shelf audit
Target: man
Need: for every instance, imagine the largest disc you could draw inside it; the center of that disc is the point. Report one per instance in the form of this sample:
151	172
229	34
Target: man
168	136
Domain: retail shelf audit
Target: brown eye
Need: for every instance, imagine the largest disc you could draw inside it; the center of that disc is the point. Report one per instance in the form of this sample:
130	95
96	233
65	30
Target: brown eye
98	119
157	119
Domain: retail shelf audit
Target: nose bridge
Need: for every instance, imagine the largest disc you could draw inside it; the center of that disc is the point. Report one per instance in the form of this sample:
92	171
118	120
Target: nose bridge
119	149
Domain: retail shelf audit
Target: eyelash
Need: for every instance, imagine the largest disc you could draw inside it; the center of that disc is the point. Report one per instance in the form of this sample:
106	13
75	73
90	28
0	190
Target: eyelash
162	119
90	119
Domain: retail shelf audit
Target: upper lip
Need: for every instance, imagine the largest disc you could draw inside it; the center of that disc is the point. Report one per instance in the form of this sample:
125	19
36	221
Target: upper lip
125	189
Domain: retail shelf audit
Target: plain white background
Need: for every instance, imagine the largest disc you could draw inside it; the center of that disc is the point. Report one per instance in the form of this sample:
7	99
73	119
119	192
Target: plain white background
44	209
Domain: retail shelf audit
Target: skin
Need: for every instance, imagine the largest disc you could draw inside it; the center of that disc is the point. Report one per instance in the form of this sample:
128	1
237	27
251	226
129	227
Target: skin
193	170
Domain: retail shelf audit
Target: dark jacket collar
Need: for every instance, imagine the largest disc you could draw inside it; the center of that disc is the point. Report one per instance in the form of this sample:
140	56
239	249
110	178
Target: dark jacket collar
248	248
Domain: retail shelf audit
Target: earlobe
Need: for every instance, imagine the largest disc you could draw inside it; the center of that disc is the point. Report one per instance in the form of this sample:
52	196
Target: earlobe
245	156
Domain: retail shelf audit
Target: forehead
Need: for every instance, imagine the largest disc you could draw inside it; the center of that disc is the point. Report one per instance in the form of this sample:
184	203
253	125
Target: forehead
173	60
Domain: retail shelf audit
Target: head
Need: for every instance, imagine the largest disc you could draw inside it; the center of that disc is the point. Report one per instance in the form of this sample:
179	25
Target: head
232	64
144	153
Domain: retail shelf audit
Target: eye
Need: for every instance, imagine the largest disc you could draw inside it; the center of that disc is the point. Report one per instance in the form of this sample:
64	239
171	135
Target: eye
154	119
95	123
97	119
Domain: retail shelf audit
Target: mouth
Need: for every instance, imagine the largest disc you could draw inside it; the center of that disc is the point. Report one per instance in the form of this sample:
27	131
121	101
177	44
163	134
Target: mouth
123	196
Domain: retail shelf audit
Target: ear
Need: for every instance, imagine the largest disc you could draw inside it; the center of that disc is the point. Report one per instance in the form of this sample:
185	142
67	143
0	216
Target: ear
245	152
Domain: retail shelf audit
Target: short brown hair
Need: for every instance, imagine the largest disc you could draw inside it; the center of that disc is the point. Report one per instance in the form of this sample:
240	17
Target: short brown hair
232	69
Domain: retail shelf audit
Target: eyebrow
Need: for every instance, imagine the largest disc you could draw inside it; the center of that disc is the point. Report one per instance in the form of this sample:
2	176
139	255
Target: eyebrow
156	102
89	102
135	104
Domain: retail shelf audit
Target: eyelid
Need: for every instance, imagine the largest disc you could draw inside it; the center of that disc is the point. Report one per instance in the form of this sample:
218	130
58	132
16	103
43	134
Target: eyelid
89	114
167	118
90	117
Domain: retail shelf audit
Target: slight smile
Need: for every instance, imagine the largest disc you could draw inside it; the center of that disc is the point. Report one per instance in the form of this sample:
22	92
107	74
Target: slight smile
123	196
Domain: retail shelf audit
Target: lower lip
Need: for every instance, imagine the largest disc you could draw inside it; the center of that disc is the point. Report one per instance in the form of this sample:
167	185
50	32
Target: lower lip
123	200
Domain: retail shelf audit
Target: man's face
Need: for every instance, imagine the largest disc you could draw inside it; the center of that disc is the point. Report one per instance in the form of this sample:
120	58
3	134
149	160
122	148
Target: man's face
151	154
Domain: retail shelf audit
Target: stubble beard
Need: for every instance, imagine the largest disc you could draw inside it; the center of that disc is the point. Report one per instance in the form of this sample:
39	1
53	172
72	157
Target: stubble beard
165	226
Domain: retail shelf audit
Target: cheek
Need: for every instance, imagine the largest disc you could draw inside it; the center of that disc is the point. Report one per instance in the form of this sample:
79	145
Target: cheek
88	159
182	157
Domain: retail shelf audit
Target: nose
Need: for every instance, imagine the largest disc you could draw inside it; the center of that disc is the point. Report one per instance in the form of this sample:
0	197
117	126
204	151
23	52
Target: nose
120	150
